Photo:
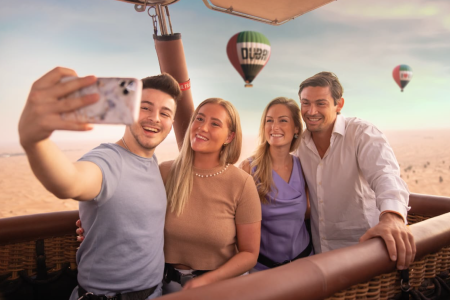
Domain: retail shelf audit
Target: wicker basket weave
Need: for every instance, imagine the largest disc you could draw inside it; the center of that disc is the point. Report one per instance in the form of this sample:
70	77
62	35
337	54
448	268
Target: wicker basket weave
386	286
59	251
16	257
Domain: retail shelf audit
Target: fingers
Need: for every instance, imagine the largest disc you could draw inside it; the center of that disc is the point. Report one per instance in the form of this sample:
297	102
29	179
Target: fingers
406	248
399	242
59	90
410	247
53	77
55	122
79	231
71	126
68	105
401	250
413	246
42	112
386	235
366	236
391	247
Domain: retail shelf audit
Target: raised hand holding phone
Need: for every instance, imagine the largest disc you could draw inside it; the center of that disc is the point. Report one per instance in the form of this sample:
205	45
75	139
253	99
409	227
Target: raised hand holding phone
42	112
40	117
118	103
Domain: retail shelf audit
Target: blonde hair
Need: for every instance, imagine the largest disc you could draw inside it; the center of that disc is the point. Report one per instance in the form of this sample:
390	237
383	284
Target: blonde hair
181	176
261	160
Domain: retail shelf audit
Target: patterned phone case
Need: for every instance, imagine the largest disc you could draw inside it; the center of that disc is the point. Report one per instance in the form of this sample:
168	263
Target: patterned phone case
118	104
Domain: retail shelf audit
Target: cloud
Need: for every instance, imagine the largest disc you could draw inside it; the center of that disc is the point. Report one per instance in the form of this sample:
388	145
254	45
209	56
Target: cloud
361	41
350	11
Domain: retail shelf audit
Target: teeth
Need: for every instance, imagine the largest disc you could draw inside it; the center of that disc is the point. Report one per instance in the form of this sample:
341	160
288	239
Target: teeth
201	137
314	120
151	129
277	135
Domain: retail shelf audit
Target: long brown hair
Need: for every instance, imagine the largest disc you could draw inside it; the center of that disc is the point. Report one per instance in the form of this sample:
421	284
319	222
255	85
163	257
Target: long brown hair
261	159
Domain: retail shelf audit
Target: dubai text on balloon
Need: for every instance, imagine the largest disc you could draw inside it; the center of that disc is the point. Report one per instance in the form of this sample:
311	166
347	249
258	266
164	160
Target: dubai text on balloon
248	52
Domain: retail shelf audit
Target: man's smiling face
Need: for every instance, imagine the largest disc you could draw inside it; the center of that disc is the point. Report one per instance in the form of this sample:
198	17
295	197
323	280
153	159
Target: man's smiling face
318	109
156	117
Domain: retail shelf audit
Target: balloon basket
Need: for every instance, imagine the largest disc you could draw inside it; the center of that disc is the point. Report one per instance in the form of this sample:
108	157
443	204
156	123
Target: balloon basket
248	85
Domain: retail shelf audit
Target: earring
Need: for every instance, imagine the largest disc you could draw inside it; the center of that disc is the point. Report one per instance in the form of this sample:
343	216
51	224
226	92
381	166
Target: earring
225	144
295	136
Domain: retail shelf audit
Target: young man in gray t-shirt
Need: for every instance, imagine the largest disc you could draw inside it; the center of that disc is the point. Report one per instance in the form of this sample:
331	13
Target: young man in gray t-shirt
119	186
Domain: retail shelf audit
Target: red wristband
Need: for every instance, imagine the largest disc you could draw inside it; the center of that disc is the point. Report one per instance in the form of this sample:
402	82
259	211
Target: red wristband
184	86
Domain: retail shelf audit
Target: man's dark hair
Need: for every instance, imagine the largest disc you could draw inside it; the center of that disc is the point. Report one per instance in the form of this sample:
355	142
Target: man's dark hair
325	79
164	83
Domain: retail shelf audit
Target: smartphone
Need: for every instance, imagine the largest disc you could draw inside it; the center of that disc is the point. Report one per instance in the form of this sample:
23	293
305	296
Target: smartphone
119	101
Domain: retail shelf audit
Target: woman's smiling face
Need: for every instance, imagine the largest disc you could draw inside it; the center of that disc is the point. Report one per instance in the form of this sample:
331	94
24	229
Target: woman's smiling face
279	126
210	129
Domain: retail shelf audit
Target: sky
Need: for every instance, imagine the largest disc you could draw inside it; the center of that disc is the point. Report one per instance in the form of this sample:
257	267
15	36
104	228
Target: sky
360	41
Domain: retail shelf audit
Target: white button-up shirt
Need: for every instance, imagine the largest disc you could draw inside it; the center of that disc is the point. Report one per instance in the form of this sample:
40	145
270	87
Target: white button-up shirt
357	178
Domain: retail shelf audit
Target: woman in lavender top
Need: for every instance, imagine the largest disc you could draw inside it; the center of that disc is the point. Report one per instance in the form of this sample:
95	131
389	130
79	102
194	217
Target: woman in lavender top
281	185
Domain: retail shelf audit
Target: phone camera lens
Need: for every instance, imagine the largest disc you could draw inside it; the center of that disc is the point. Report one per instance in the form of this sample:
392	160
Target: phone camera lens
125	92
122	84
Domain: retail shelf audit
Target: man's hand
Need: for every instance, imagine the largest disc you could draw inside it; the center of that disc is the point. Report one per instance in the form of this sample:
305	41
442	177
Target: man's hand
398	238
42	112
79	231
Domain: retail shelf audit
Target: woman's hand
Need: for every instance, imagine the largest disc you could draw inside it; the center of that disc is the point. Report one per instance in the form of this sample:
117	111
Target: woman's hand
196	282
79	231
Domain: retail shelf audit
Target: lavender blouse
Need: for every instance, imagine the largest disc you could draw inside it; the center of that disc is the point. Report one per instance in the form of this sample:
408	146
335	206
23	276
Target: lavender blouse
283	230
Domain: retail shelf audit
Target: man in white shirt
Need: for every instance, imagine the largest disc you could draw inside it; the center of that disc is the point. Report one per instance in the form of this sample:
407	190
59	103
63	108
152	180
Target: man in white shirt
353	177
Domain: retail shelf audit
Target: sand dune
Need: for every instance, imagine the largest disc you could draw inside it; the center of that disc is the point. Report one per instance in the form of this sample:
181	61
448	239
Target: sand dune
424	158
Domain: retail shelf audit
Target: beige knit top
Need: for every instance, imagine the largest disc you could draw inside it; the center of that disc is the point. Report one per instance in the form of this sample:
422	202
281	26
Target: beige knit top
203	237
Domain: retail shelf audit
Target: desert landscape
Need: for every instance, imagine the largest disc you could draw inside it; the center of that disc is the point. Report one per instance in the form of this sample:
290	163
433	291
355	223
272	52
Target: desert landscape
424	158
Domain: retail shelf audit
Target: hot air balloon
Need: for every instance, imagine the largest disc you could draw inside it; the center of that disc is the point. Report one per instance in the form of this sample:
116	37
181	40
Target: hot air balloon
248	52
402	75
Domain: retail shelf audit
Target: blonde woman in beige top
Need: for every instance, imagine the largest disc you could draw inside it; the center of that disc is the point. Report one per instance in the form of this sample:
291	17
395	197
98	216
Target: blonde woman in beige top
213	220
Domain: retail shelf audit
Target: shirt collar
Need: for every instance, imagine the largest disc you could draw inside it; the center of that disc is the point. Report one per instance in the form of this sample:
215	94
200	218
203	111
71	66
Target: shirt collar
339	127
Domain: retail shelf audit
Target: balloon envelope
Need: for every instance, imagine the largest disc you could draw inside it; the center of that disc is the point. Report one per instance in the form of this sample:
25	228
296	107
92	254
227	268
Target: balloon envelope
402	75
248	52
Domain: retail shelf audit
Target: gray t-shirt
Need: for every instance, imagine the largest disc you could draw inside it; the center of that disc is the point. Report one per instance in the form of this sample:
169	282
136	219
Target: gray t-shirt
123	242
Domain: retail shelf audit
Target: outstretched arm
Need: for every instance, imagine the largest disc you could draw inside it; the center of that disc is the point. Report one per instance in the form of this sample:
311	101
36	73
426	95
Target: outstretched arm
40	117
380	168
